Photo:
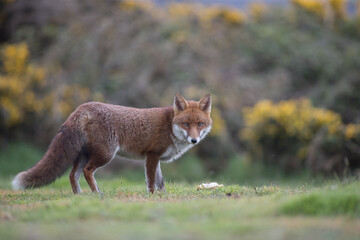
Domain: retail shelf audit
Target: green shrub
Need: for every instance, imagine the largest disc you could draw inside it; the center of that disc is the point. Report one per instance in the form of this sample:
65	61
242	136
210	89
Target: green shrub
292	134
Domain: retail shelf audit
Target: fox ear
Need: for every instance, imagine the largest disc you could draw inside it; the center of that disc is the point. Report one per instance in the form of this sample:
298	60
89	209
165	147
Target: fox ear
205	103
180	103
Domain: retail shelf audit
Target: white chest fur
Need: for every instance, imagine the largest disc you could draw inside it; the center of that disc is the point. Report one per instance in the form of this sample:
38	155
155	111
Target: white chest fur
175	150
180	143
178	147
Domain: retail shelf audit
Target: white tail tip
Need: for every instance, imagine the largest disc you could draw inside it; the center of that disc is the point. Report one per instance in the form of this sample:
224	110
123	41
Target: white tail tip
17	183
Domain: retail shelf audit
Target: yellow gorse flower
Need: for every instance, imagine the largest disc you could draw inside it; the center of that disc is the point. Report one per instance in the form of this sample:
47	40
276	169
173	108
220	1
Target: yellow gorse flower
352	130
227	15
292	123
257	10
233	16
23	88
313	6
338	8
181	10
15	58
131	5
219	125
293	118
18	79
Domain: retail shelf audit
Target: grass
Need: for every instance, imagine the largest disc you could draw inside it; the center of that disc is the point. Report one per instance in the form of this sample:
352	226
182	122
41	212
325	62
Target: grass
127	211
282	210
340	200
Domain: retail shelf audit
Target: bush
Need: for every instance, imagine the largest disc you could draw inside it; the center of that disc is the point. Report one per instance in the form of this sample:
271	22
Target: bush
22	87
335	154
282	134
26	95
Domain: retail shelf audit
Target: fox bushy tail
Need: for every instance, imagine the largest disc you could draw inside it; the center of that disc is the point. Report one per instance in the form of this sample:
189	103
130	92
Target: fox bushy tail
64	149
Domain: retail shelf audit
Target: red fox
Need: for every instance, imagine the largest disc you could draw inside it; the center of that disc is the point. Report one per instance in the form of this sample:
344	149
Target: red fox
95	132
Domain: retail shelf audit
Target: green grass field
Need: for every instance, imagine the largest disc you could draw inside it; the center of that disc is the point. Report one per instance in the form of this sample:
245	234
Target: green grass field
297	208
126	211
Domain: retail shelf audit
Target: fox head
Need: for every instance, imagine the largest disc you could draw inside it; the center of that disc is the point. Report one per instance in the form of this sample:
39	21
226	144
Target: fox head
192	119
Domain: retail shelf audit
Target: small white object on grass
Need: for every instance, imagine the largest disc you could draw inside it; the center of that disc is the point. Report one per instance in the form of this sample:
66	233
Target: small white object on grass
211	185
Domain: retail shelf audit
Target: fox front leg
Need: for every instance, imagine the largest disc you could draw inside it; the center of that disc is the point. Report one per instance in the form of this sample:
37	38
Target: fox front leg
159	180
151	164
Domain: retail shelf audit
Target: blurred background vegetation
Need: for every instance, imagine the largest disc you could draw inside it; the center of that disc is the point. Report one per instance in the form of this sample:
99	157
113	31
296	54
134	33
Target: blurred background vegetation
284	79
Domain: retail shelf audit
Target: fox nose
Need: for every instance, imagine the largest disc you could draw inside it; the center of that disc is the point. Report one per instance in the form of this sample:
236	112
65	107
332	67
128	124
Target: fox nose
194	140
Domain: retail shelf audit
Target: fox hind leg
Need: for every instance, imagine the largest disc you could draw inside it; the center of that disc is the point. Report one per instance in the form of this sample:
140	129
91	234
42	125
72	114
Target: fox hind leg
90	169
96	161
76	173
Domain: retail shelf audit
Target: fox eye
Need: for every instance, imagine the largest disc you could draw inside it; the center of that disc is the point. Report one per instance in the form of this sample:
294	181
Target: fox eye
186	124
200	124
